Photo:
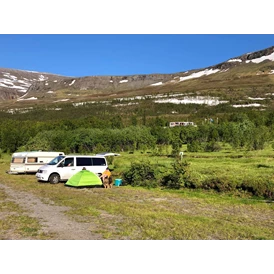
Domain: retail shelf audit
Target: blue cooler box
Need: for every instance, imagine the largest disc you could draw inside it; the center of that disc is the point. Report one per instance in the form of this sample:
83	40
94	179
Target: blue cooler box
118	182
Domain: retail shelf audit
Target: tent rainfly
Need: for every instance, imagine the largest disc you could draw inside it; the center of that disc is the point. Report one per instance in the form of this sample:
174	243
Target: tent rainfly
84	178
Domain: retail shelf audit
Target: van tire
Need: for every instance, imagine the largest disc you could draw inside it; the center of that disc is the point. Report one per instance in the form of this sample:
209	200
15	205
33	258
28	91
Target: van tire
54	178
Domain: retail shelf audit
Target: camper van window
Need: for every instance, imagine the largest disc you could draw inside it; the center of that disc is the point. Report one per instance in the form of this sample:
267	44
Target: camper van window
32	160
18	160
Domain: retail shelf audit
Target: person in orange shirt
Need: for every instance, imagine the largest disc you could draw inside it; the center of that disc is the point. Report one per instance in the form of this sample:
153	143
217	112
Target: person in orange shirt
106	178
106	174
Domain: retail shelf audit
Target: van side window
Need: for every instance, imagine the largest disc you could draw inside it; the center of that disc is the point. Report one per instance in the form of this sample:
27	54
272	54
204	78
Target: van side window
83	161
68	162
88	161
98	161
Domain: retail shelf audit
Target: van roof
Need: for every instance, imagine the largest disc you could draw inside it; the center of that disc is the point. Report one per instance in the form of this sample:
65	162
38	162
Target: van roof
107	154
77	155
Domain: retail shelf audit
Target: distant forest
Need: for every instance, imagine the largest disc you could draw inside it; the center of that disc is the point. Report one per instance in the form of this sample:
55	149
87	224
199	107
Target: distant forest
93	128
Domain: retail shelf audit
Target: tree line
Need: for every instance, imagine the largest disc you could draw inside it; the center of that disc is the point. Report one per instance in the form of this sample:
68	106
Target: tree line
93	134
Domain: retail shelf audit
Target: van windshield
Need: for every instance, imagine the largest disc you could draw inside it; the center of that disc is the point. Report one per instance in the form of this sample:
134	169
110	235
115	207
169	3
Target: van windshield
56	160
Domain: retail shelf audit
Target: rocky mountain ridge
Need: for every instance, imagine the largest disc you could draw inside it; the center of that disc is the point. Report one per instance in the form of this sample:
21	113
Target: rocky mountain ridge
25	85
15	83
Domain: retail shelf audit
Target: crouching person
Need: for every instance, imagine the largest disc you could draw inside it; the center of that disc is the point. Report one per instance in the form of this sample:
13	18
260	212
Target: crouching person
107	178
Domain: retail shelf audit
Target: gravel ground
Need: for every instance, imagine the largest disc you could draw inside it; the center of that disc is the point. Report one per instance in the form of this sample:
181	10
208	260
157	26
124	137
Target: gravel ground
52	217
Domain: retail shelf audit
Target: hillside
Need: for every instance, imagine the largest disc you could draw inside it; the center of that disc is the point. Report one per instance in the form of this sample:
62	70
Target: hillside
248	78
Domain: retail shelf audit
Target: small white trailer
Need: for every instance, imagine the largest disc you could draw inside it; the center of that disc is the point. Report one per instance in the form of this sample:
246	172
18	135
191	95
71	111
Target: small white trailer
30	161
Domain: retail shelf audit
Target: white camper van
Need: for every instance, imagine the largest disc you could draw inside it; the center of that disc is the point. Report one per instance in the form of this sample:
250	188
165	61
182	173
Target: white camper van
62	168
30	161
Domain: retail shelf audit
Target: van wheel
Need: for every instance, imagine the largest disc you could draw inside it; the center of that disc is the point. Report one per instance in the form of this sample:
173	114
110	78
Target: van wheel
54	178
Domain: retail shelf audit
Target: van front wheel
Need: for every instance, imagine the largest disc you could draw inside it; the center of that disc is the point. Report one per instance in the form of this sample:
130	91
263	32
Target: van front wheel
54	178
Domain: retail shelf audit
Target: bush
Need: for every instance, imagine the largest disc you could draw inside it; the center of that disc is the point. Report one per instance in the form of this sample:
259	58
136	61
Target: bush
219	184
259	187
212	147
179	176
194	146
140	174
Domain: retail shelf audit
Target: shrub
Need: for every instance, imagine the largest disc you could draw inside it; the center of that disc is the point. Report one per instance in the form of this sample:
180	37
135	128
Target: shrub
219	184
179	176
259	187
212	147
140	174
194	146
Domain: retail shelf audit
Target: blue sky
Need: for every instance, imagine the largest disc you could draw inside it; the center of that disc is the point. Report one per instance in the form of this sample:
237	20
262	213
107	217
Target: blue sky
123	54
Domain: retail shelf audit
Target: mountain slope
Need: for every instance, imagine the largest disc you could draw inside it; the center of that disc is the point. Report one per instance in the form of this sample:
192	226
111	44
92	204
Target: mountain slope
250	74
15	83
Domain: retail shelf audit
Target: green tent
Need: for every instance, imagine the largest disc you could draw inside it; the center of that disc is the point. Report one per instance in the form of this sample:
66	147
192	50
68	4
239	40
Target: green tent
84	178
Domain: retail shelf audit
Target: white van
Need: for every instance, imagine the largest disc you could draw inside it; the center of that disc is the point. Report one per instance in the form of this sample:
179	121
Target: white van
63	167
30	161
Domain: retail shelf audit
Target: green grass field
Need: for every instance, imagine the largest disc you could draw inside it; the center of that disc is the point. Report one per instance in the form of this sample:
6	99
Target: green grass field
233	164
126	212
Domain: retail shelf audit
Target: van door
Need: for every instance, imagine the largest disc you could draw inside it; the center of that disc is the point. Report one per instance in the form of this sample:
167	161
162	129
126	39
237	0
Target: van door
66	168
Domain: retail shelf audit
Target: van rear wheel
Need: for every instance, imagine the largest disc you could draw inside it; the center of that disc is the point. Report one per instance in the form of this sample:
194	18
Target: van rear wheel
54	178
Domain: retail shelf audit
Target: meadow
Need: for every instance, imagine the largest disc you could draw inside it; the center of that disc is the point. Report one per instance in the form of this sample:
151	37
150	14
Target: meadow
240	172
138	213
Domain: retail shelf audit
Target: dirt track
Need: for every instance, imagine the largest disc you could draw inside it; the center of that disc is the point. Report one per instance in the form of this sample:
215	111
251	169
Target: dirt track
51	217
